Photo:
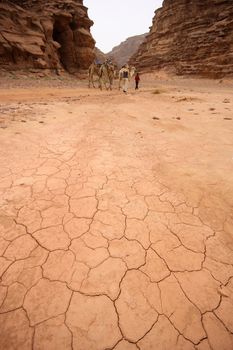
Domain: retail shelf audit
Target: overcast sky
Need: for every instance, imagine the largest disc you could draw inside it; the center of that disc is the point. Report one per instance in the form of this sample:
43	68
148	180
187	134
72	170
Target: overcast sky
116	20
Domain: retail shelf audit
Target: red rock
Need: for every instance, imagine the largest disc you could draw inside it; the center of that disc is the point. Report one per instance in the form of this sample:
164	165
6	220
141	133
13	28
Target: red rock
41	35
189	38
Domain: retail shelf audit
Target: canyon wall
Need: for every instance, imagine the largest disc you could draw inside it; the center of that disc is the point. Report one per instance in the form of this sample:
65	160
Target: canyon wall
52	35
189	37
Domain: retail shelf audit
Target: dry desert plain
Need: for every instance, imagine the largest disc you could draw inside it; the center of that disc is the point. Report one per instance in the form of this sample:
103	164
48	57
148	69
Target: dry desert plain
116	221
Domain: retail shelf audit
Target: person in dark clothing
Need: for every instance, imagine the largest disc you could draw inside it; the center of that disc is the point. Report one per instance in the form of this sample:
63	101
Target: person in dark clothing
137	79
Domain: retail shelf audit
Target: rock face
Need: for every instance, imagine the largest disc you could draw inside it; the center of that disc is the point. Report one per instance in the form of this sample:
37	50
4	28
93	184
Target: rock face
45	35
122	53
190	37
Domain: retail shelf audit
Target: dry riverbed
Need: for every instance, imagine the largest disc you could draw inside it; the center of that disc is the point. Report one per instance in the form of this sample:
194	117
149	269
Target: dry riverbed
116	221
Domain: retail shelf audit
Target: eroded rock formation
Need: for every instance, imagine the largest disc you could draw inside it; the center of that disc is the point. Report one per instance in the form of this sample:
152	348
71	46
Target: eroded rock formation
190	37
45	35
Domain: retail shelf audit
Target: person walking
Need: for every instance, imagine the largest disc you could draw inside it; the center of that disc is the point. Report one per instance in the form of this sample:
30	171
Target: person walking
137	80
125	78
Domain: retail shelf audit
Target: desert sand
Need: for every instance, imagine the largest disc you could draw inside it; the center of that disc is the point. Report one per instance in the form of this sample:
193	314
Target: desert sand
116	222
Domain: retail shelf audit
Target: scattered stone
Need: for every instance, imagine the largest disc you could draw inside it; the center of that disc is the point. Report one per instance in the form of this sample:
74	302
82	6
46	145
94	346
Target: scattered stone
157	92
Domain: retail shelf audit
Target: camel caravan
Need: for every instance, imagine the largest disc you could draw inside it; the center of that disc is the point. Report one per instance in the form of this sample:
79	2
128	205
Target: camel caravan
105	73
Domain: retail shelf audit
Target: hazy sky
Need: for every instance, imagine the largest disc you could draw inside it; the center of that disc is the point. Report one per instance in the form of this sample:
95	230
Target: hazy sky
116	20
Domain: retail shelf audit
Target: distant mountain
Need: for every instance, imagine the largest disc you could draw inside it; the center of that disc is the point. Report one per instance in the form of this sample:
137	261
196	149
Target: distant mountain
123	52
100	56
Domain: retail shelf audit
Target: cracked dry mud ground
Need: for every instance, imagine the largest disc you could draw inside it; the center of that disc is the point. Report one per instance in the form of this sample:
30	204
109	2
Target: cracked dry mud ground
116	224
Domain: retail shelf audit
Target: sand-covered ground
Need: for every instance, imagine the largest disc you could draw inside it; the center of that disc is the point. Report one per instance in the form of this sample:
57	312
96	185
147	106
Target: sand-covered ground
116	221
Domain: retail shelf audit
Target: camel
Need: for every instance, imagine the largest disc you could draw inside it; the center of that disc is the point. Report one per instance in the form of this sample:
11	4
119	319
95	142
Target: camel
94	71
132	71
105	75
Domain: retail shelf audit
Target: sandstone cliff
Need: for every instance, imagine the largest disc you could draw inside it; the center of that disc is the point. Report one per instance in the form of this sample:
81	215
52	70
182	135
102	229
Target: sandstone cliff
190	37
45	35
122	53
